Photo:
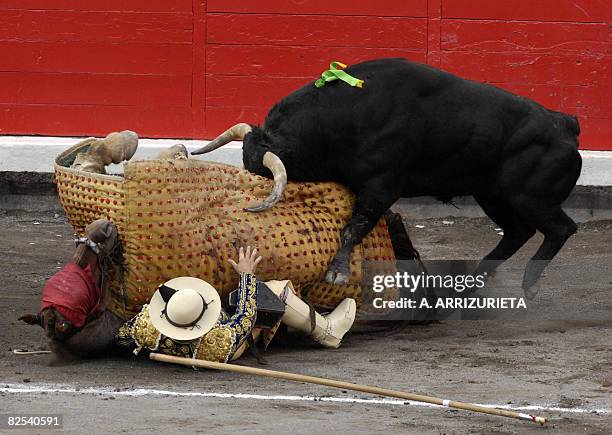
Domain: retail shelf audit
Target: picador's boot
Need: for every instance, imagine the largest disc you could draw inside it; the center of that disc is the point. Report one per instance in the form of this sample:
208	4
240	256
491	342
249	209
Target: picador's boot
326	330
114	148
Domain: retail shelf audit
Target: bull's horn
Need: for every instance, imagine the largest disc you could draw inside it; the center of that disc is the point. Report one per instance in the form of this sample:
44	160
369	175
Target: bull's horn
276	166
238	131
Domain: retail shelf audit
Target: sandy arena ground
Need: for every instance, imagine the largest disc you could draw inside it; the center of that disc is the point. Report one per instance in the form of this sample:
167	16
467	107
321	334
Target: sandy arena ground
562	369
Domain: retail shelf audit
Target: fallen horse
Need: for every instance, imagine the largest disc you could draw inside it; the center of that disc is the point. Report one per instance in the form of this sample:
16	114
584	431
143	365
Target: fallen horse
176	217
186	217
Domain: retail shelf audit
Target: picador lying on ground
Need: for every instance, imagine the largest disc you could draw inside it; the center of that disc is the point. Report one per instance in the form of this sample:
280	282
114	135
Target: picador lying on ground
183	318
413	130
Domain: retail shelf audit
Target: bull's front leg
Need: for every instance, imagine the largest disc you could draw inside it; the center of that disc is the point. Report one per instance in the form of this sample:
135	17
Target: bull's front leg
371	203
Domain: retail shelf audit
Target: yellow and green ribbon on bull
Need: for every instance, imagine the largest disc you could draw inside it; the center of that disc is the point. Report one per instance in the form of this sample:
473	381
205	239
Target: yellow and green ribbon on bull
335	72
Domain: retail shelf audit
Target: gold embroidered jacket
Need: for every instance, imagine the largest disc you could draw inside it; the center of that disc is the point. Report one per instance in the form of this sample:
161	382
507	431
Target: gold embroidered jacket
219	344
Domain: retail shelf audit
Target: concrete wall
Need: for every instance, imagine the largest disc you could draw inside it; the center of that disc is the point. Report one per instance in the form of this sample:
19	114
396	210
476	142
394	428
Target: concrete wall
26	179
36	153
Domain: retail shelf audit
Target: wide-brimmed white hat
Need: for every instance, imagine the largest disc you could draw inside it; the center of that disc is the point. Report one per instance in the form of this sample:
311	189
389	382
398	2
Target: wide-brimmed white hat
185	308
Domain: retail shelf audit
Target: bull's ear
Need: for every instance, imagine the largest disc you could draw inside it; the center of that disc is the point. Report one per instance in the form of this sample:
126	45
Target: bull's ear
31	319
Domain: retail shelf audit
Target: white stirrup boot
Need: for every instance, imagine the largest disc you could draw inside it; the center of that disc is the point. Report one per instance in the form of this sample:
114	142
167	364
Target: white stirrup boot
326	330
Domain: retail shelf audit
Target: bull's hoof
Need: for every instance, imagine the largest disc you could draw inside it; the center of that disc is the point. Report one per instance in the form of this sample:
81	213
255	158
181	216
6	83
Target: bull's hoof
532	292
531	283
335	277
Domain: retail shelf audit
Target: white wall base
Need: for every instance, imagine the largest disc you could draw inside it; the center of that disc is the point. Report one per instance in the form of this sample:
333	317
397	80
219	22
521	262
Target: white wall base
37	153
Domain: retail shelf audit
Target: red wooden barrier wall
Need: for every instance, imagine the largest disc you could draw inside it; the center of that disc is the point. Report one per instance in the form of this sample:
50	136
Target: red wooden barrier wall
189	68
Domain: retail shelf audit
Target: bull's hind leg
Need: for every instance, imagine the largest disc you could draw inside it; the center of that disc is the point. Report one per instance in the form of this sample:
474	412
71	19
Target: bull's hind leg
516	232
557	227
371	203
538	202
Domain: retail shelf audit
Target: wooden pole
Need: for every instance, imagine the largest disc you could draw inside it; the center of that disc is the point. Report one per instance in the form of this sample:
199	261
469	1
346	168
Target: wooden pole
344	385
30	352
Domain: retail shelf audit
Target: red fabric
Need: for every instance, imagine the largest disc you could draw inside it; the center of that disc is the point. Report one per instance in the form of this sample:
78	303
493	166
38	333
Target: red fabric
175	74
73	292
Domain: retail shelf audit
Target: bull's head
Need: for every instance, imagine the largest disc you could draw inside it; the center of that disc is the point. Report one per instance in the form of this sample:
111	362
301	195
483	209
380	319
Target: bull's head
269	160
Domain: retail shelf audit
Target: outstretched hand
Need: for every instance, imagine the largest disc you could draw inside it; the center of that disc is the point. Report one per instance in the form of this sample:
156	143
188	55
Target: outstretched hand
247	262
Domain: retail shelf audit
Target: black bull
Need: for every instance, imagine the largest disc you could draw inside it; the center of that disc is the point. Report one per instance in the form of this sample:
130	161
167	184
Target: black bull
413	130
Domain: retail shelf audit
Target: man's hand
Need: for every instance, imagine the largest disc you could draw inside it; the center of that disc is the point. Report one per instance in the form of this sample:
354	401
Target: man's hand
247	262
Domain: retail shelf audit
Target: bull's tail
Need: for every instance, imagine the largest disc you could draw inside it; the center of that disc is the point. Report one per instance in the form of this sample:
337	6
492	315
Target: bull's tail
572	124
567	123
